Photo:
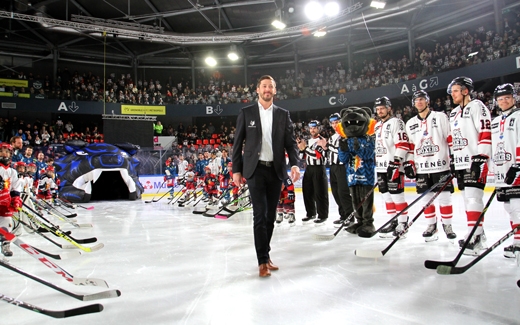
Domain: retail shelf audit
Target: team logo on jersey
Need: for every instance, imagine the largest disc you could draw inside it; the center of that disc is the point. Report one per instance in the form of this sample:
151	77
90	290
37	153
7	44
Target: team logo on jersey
380	149
427	148
501	156
252	124
358	163
459	142
512	122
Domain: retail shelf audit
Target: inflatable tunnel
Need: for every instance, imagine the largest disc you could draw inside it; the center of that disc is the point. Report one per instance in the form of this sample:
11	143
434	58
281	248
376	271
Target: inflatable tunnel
98	171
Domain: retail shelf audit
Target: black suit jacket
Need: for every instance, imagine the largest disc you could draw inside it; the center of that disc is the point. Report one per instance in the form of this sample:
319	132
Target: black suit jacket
248	138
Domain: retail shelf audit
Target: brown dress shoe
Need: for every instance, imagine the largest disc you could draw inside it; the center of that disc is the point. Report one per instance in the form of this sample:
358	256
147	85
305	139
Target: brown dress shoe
264	270
271	266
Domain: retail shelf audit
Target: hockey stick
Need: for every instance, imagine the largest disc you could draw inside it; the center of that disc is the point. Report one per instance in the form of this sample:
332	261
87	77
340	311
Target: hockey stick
153	199
238	199
434	264
57	269
71	222
214	206
176	196
376	254
75	204
61	234
94	308
346	221
446	269
227	216
87	297
55	229
45	237
407	208
47	206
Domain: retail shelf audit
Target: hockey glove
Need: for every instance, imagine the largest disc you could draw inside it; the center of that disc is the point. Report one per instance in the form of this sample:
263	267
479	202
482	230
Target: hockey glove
479	168
16	202
409	169
343	145
513	175
392	171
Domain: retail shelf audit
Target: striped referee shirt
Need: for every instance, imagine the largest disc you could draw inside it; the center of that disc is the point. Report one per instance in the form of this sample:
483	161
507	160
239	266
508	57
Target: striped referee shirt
332	149
314	154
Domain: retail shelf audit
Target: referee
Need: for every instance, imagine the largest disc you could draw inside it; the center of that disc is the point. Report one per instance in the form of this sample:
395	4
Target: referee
314	184
338	175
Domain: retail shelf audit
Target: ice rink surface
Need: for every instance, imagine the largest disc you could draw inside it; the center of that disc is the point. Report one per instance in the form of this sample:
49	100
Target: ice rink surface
175	267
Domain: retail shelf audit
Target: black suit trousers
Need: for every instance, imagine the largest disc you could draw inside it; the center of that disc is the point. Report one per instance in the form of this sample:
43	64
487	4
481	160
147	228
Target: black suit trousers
264	188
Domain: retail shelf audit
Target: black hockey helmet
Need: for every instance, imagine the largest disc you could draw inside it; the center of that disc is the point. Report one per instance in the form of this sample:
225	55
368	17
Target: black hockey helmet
420	94
334	117
504	89
382	101
461	81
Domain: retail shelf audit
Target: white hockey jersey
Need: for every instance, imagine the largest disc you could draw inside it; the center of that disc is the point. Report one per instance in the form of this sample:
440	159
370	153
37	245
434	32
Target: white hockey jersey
391	142
505	133
470	133
9	182
428	141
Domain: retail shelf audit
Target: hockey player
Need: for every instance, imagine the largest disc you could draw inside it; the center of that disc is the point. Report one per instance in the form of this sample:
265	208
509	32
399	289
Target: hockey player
224	182
170	171
190	185
10	201
182	166
200	164
338	175
210	186
391	149
47	188
505	133
470	124
314	184
285	208
429	161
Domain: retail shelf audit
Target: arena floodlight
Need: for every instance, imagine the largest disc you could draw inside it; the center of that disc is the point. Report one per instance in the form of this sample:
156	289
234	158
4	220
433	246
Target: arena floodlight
332	9
277	22
210	60
378	4
313	10
233	54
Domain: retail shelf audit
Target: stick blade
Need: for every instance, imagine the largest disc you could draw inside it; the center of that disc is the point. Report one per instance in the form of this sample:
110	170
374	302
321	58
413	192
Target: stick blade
221	216
102	295
90	309
90	208
90	282
323	237
432	265
368	253
444	269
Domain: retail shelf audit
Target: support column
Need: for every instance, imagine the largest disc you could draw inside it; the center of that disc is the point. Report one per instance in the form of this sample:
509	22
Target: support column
193	73
246	80
498	5
411	46
55	54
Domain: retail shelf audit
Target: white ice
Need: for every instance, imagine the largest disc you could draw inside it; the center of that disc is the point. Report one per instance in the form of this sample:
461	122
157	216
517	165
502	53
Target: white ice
175	267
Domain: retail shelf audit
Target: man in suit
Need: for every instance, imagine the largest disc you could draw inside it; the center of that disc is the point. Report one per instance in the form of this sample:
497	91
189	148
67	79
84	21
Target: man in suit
264	132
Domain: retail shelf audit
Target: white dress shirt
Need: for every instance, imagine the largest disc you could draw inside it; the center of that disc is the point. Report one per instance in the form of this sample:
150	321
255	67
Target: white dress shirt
266	120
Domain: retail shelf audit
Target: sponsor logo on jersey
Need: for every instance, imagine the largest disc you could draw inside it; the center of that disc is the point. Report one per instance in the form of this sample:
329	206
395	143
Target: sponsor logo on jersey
427	148
459	142
434	122
414	126
501	156
380	149
512	122
495	125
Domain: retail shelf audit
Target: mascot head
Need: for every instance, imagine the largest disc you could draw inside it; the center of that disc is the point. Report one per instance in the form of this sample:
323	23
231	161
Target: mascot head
355	122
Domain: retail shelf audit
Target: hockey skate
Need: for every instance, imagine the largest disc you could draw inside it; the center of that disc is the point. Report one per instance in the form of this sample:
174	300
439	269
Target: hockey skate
448	229
308	219
339	222
279	218
292	219
400	229
388	231
430	234
320	222
6	249
513	251
476	244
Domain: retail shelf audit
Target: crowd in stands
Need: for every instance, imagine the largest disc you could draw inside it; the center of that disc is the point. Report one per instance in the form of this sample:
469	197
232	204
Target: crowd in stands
464	49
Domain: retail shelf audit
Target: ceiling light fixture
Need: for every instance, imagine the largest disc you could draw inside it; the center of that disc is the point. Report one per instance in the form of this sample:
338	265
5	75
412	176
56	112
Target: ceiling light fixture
233	54
210	60
378	4
277	22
